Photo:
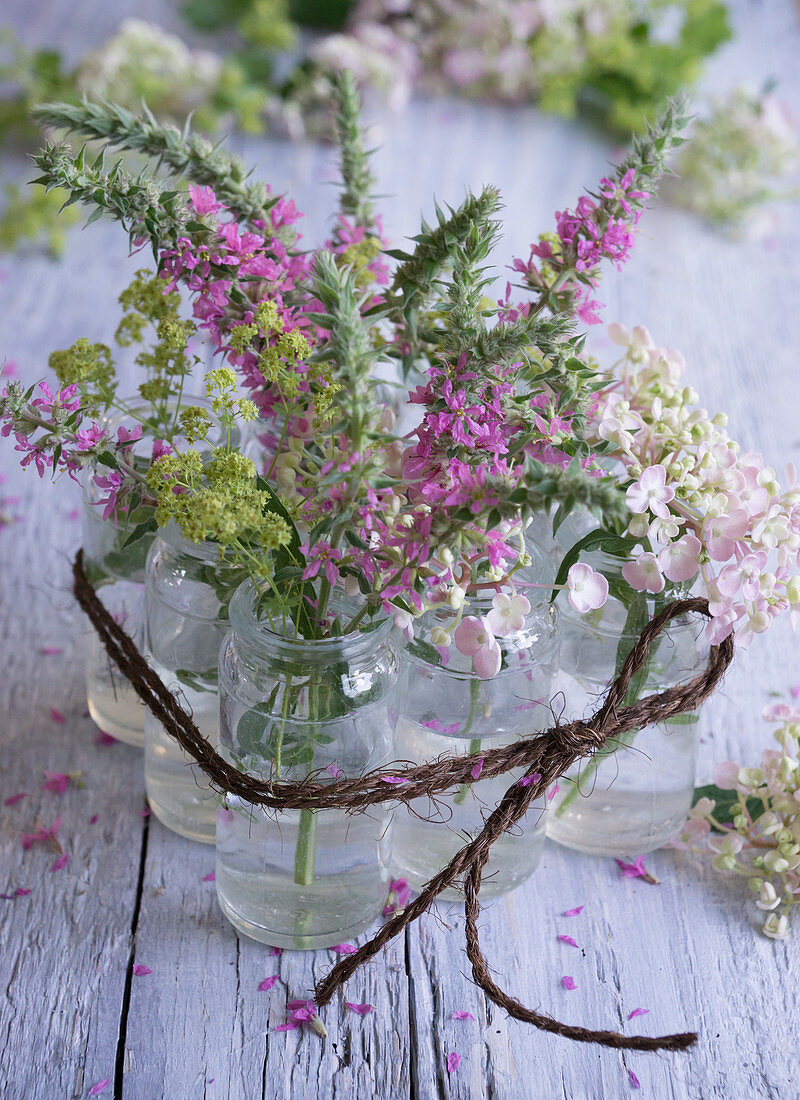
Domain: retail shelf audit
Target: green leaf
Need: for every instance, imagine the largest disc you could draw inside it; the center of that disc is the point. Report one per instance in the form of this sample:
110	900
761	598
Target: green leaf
139	531
198	681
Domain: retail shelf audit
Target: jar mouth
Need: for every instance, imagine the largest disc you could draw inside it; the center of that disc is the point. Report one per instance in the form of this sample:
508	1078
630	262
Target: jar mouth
680	626
278	640
204	551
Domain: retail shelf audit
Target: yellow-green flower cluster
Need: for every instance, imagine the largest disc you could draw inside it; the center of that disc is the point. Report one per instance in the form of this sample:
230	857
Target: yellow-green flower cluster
90	367
359	255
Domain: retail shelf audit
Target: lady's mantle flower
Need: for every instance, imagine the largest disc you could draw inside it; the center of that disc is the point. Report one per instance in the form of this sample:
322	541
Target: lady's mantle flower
588	590
474	638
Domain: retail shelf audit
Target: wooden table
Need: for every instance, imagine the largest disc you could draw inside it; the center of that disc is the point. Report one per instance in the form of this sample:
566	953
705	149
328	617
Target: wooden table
688	950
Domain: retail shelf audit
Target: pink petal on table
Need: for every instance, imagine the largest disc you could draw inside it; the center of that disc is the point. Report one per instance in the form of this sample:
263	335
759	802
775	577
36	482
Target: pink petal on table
74	514
210	877
634	1080
93	819
61	862
344	949
394	779
275	950
795	691
268	983
145	812
528	779
568	982
460	1014
551	794
574	912
287	1027
101	1086
360	1010
55	781
103	738
476	769
638	1012
50	650
453	1062
140	971
21	892
334	772
567	939
56	715
15	798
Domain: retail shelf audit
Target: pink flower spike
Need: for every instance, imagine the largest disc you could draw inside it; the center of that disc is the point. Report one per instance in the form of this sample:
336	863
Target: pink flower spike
268	983
574	912
103	738
360	1010
568	982
638	1012
15	798
101	1086
50	651
476	769
567	939
459	1014
453	1062
56	715
140	971
210	877
344	949
61	862
634	1080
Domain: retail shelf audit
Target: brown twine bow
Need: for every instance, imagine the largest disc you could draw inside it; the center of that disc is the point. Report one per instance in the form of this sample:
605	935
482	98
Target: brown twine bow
546	755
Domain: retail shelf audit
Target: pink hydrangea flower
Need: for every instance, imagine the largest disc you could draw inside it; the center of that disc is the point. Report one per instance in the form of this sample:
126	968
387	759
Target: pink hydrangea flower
650	492
508	614
588	590
474	638
679	560
644	573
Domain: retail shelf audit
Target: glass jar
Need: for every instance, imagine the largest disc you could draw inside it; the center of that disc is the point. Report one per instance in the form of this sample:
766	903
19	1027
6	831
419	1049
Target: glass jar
289	708
187	592
117	573
634	794
446	710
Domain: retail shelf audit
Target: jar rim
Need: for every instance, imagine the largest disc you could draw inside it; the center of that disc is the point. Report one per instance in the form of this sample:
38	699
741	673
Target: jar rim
261	635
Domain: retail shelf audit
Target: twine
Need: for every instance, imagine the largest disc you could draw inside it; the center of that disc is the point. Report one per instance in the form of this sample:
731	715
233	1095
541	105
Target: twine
546	755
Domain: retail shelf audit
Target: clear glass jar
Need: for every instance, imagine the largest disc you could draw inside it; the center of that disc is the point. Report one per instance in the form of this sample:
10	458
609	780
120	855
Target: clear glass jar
634	794
117	572
187	592
446	710
290	707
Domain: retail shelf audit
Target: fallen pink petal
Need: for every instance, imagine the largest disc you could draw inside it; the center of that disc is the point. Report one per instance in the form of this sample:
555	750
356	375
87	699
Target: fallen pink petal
15	798
268	983
43	836
528	779
551	794
51	651
275	951
56	715
634	1080
103	738
638	1012
636	869
21	892
453	1062
360	1010
460	1014
93	819
61	862
567	939
145	812
334	772
476	769
568	982
101	1086
394	779
574	912
140	971
56	781
210	877
344	949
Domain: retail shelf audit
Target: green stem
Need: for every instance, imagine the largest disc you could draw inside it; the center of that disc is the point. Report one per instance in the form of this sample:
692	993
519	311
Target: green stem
475	743
306	850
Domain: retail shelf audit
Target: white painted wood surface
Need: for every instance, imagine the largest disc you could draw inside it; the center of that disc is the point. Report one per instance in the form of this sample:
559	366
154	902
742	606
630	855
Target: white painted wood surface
71	1014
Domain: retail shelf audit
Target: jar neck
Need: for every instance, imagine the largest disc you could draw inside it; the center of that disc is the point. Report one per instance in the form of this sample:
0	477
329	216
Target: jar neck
277	639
